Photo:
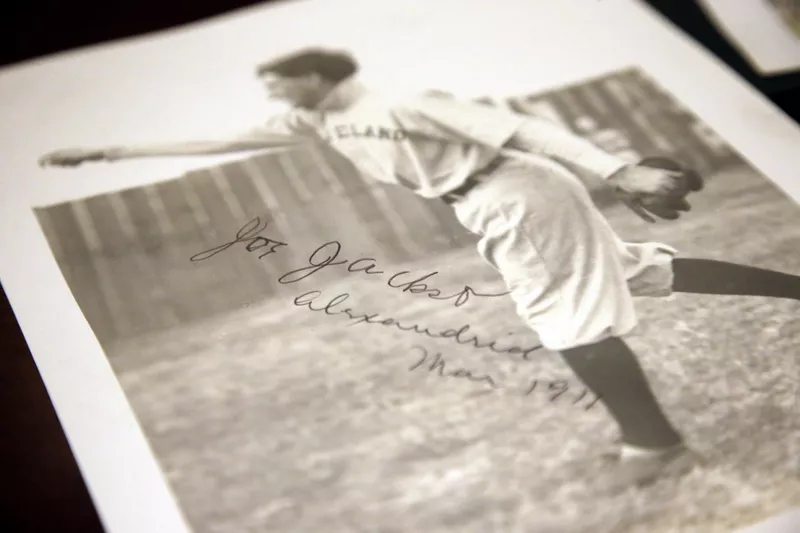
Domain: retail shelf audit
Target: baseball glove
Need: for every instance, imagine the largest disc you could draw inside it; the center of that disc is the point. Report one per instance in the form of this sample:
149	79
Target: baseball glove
665	206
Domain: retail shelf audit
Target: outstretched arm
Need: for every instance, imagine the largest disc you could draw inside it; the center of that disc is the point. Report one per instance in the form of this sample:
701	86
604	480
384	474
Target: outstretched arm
280	131
74	157
242	144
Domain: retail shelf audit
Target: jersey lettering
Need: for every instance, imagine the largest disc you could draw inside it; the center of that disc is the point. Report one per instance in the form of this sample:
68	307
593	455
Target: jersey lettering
354	131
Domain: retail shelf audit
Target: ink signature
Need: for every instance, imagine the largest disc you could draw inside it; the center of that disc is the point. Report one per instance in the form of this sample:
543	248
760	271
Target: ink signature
328	255
333	307
245	236
437	364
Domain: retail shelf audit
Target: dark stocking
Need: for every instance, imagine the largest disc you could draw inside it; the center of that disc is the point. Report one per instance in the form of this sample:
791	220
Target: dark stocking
610	369
707	276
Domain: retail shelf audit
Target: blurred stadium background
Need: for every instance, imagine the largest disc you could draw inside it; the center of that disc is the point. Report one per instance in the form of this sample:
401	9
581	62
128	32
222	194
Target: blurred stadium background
125	255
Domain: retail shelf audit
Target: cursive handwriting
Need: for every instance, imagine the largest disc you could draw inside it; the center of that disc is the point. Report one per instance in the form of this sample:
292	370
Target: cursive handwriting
438	365
333	307
558	388
328	255
247	235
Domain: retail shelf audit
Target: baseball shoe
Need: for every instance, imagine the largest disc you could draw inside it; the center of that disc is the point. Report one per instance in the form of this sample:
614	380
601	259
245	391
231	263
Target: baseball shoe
638	471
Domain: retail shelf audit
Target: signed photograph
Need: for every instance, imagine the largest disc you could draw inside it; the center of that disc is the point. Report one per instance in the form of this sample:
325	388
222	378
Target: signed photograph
571	310
528	269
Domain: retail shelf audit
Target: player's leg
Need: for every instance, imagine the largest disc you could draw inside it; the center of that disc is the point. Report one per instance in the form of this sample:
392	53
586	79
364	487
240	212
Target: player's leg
565	271
612	371
707	276
651	447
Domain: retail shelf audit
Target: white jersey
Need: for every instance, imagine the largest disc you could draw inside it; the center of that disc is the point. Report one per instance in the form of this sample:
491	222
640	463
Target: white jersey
429	144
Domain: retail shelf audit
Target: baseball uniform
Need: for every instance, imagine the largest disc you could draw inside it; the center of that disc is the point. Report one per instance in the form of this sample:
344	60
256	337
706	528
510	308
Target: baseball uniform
571	277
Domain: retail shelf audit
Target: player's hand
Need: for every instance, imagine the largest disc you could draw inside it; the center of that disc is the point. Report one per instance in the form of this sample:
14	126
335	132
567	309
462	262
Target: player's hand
651	207
72	157
657	187
639	180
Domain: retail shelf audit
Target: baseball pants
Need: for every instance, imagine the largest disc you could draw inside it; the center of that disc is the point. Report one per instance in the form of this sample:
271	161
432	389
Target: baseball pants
570	275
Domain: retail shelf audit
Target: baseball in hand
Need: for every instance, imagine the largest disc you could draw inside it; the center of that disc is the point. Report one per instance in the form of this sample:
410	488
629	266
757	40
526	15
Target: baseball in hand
656	188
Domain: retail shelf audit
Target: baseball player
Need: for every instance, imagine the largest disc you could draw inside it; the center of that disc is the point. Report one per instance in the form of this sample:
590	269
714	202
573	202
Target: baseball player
571	277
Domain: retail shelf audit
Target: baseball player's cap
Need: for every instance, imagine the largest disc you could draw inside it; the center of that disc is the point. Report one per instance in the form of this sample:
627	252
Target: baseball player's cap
334	65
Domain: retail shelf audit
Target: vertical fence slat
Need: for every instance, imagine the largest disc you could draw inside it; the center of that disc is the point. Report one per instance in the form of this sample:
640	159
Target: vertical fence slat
105	282
74	258
198	234
236	272
155	301
254	205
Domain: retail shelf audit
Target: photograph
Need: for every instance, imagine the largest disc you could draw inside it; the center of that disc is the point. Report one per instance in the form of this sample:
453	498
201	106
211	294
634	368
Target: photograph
572	310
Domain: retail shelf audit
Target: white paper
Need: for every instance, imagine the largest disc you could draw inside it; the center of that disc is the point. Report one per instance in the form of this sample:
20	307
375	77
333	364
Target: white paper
197	82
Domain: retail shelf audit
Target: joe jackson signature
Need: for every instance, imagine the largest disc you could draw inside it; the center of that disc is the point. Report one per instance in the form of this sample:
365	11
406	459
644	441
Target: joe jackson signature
328	255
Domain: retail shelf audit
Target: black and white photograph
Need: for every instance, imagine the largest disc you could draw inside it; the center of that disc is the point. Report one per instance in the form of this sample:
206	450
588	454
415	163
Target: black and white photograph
572	310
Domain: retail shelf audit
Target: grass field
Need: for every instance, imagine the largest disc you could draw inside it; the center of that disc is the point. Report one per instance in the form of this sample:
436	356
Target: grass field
277	418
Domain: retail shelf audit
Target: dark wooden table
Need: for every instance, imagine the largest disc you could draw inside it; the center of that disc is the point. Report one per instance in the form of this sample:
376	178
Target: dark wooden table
44	490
